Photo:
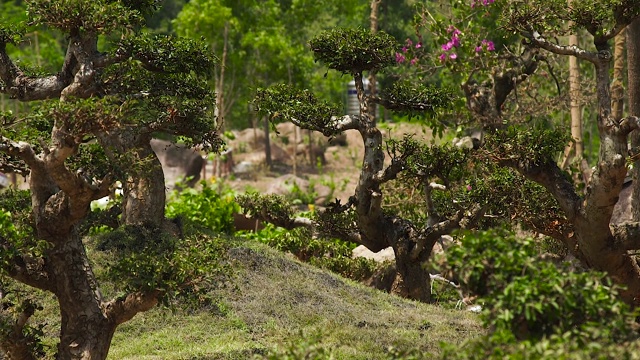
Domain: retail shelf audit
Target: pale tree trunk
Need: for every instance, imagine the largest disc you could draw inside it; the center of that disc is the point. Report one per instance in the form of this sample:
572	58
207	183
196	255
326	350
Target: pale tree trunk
617	85
576	149
633	84
220	106
372	75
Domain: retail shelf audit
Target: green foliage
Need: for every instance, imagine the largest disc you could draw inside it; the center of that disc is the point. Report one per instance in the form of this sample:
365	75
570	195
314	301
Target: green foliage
161	53
91	159
15	304
547	300
413	98
534	145
285	103
331	254
269	207
99	16
535	307
17	235
144	259
212	207
352	51
488	261
550	17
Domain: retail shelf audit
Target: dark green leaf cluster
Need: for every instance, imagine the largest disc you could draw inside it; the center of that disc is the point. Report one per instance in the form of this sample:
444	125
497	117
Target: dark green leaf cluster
331	254
352	51
82	117
98	16
11	33
535	145
162	53
285	103
336	221
32	128
17	228
487	261
445	162
527	298
509	195
413	98
272	208
144	259
92	161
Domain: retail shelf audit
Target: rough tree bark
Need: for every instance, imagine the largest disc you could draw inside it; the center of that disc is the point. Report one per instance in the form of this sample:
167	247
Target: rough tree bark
596	242
61	198
633	93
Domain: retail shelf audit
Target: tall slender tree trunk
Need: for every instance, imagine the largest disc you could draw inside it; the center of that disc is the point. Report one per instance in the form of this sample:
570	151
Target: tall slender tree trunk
633	84
576	149
617	87
372	75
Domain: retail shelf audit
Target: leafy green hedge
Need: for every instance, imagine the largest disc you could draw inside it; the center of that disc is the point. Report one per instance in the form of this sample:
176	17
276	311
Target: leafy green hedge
536	309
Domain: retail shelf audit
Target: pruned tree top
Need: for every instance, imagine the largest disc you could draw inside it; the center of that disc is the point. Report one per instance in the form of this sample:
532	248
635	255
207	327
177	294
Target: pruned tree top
354	50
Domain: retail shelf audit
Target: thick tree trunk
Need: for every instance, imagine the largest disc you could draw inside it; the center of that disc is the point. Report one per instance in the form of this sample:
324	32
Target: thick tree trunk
412	280
86	332
144	192
595	238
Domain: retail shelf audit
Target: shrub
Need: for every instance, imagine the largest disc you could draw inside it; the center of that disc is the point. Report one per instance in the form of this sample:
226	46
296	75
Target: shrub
535	309
212	207
331	254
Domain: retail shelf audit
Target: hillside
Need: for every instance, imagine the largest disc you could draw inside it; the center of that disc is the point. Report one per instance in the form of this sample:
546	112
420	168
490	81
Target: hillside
274	301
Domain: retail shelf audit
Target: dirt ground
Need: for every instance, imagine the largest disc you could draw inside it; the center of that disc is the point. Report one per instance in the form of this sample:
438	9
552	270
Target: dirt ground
342	163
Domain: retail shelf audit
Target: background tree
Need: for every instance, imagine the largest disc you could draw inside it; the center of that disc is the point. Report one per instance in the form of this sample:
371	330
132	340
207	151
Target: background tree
365	219
91	125
585	223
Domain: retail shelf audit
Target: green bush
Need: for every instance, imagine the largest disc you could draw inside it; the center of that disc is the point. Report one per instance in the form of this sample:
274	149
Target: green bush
212	207
487	261
536	309
331	254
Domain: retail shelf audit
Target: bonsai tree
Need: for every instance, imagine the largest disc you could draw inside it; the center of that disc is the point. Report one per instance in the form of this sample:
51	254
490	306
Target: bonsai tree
90	125
584	220
363	218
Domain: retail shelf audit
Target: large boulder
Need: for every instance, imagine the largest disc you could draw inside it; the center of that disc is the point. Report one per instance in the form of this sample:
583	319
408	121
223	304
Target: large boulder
179	163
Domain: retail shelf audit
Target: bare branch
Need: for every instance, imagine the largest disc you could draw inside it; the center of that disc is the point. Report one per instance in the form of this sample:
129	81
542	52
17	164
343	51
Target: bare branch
540	41
21	150
124	309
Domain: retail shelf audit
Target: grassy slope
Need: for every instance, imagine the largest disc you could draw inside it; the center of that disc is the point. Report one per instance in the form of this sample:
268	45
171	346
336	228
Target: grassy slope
277	302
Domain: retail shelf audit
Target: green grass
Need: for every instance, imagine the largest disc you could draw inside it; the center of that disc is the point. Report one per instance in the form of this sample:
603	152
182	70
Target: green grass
273	302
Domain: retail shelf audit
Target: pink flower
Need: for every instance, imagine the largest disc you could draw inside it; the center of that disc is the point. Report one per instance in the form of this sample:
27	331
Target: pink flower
442	57
455	41
400	58
404	49
448	46
478	49
409	42
453	56
418	45
490	45
414	61
468	187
